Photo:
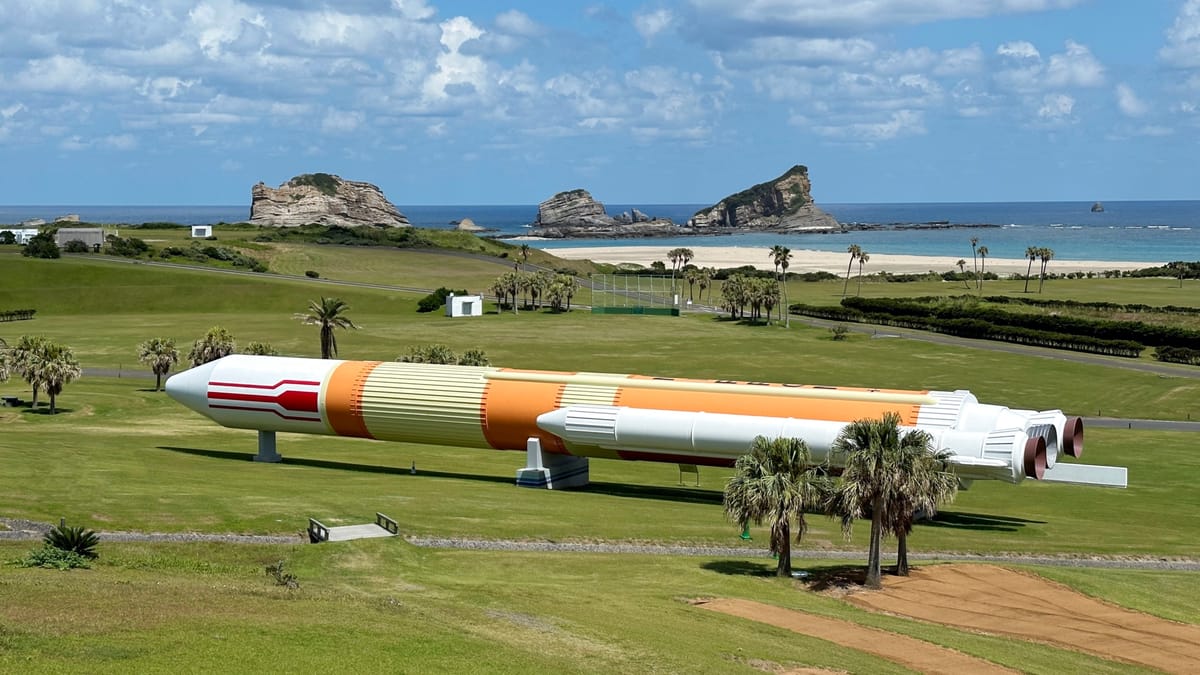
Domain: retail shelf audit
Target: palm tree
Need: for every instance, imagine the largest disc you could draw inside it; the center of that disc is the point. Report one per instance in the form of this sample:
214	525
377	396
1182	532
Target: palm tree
215	344
781	255
524	255
327	313
974	261
679	258
784	263
5	367
1031	252
160	354
1046	255
854	250
983	251
23	359
776	482
57	369
707	275
924	484
863	257
962	269
692	277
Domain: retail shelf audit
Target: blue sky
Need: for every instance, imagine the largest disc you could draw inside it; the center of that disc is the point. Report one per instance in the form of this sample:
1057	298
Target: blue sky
685	101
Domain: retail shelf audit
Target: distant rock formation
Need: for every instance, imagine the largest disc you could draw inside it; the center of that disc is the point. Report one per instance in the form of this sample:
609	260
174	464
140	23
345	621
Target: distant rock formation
781	205
1097	208
325	199
575	213
468	225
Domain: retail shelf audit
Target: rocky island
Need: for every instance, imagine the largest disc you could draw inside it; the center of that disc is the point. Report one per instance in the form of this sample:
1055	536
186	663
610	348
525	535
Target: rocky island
782	205
575	214
325	199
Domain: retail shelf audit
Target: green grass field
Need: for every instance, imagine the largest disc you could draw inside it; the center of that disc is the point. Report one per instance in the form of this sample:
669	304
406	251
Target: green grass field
121	457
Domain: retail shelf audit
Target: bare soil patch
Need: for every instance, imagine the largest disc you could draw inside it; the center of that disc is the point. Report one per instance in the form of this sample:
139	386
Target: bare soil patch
913	653
1002	601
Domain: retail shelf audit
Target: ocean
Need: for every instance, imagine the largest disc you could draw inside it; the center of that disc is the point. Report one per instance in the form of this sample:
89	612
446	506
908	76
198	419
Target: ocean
1126	231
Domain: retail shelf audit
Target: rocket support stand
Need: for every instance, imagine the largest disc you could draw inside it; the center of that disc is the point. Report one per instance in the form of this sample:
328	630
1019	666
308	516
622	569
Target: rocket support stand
549	470
266	448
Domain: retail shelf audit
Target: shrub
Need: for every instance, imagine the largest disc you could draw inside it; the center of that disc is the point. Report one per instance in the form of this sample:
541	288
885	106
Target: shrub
53	558
474	357
260	349
282	578
75	246
312	274
41	246
435	353
839	332
436	299
77	540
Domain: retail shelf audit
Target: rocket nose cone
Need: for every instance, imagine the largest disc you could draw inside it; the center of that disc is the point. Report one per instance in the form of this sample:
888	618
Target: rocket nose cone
191	387
554	421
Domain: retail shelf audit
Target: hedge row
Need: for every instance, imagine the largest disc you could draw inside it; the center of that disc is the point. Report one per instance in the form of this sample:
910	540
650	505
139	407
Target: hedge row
1098	306
1178	355
17	314
1104	329
979	329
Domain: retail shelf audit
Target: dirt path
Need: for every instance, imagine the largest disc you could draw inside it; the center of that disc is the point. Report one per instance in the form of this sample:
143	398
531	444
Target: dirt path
910	652
1002	601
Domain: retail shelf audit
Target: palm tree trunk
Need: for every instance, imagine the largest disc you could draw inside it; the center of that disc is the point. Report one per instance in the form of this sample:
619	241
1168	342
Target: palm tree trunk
874	575
847	282
157	380
784	568
902	554
1027	271
52	407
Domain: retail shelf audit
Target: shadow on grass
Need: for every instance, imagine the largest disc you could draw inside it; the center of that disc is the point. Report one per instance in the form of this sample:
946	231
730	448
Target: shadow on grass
741	568
984	522
43	409
339	466
836	576
674	494
688	495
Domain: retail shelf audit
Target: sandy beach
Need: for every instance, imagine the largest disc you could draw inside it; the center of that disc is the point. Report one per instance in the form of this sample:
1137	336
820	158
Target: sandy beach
813	261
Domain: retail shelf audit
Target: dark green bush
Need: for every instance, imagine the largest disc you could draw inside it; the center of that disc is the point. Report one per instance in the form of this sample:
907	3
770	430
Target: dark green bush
78	540
53	558
436	299
75	246
312	274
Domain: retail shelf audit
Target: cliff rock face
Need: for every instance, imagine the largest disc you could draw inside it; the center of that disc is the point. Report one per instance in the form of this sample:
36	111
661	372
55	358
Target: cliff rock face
575	213
781	205
323	199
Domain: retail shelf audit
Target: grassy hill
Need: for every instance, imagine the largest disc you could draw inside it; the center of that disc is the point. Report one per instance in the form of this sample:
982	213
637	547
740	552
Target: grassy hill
121	457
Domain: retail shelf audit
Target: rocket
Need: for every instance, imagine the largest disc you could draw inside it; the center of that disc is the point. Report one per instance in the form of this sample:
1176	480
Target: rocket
612	416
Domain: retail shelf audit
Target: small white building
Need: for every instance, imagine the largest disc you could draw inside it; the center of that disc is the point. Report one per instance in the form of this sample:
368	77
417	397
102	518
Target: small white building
464	305
22	235
201	231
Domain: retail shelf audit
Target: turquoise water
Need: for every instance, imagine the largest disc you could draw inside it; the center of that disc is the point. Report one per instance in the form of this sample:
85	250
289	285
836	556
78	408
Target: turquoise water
1133	231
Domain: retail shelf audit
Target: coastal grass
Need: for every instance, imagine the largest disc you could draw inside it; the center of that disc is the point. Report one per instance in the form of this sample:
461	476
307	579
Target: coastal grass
104	310
383	605
121	457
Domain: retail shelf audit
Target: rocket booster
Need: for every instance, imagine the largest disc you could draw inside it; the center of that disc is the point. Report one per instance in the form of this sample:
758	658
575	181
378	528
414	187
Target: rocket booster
630	417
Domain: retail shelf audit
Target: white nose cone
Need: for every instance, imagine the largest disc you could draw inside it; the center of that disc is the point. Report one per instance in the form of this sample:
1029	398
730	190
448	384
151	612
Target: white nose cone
191	387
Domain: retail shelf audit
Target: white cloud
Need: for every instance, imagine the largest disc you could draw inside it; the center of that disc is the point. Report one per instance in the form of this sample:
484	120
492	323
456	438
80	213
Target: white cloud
900	123
518	23
342	121
1056	108
765	51
1076	67
8	111
123	142
650	24
68	74
819	15
1183	38
1128	102
216	24
1025	71
456	74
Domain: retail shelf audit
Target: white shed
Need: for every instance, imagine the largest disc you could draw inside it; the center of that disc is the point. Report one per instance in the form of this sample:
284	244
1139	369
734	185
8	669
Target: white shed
464	305
201	231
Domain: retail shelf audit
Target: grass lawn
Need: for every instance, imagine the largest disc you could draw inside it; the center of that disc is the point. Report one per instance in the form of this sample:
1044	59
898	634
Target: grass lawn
121	457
